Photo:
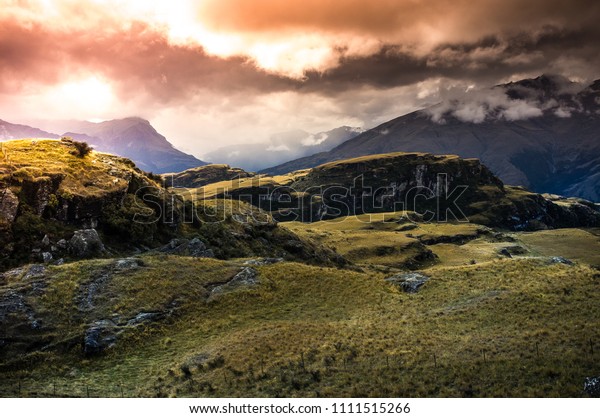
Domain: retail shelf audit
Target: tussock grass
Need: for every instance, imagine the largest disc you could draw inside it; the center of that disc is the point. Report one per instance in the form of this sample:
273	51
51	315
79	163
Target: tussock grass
312	331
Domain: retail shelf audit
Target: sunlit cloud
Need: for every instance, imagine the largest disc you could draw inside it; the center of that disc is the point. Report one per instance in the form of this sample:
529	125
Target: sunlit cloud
216	72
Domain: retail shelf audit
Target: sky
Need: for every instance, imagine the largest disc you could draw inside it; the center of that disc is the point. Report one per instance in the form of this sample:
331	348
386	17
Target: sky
212	73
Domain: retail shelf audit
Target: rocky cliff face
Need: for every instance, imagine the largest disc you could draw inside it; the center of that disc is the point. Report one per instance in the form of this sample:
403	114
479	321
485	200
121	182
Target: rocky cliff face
56	204
47	193
439	188
556	151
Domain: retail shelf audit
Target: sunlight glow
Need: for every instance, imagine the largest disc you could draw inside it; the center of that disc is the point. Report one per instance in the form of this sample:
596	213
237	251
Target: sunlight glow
92	96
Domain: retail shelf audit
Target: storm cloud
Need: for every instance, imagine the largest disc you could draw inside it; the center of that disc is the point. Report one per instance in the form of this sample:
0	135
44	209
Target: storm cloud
219	72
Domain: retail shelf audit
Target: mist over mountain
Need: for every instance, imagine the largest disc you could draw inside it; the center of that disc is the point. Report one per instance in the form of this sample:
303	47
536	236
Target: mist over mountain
134	138
540	133
281	147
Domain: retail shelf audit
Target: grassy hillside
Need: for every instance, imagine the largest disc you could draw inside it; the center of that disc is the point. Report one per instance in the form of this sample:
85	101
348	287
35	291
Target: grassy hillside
285	309
201	176
442	187
500	328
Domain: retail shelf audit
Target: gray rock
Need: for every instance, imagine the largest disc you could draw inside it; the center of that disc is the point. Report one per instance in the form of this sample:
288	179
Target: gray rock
408	282
248	276
561	260
59	262
196	247
126	264
47	257
145	317
92	289
263	261
512	250
46	241
12	275
192	248
100	336
34	271
9	205
592	387
86	243
62	244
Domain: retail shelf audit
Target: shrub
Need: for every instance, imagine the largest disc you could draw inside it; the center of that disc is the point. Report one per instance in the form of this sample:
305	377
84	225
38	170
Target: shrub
82	148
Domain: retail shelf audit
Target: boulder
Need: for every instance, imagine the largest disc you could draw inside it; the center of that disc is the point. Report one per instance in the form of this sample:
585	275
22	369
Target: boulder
47	257
35	271
145	318
197	248
512	250
247	277
86	243
9	204
191	248
561	260
408	282
46	241
592	386
127	264
99	336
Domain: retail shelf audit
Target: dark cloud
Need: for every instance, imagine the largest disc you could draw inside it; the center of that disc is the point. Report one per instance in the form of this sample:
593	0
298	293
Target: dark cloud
138	59
308	64
484	62
395	20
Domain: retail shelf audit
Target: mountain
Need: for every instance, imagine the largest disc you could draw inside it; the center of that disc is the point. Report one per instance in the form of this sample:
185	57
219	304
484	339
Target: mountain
541	133
281	147
133	138
14	131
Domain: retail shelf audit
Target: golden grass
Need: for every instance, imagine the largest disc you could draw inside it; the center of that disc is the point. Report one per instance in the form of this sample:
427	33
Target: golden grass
93	175
575	244
310	331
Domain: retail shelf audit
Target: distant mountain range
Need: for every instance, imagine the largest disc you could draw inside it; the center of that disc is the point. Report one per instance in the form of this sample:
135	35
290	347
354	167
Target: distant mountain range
541	133
134	138
281	147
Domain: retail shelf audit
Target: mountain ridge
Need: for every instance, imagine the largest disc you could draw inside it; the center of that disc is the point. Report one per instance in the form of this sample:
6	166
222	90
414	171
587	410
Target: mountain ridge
131	137
557	151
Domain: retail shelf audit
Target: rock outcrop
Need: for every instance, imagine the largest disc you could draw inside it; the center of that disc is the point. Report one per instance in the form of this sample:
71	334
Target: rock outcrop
408	282
438	187
85	244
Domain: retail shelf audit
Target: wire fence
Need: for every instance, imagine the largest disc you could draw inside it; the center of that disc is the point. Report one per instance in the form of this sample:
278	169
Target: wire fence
62	389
